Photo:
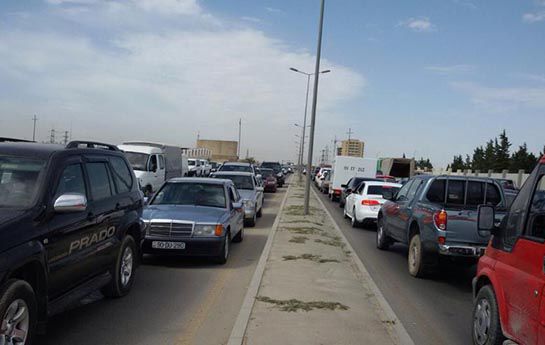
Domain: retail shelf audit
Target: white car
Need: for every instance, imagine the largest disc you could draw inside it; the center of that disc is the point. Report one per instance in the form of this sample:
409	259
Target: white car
363	204
206	167
320	174
195	168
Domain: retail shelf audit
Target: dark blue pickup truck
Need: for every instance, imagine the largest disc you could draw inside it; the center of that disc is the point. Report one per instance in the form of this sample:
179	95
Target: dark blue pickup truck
437	216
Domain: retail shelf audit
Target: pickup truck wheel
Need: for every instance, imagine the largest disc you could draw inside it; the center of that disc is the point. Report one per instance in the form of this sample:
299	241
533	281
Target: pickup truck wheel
416	258
18	313
383	241
123	271
221	259
486	320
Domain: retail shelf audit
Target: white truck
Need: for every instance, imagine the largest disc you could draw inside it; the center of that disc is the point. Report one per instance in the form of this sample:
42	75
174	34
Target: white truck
195	167
154	163
344	168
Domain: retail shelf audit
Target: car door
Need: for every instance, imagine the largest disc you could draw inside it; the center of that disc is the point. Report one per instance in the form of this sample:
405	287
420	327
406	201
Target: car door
349	203
403	213
520	265
69	262
107	211
392	219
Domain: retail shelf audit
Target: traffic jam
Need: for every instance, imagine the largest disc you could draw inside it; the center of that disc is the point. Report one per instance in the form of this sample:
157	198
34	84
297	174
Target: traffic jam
79	217
461	220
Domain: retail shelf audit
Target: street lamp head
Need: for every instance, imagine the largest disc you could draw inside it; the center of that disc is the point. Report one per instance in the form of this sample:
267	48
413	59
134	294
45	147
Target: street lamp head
326	71
294	69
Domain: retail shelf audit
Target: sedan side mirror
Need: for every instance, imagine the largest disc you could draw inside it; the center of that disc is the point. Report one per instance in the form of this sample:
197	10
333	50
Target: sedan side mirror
486	218
237	206
388	195
344	186
260	189
70	202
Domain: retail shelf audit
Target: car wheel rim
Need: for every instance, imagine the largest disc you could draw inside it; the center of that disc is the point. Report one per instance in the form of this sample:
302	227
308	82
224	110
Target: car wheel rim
413	253
379	233
127	262
15	324
481	321
226	247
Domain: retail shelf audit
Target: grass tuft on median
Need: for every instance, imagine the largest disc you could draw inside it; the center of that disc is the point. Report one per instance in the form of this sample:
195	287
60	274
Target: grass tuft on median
294	305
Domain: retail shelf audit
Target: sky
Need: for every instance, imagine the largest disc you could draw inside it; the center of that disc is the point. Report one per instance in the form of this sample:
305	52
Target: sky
423	78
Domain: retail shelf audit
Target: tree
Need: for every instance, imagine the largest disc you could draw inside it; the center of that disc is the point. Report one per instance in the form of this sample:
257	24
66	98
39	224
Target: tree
424	164
468	164
522	160
489	155
478	159
457	163
501	152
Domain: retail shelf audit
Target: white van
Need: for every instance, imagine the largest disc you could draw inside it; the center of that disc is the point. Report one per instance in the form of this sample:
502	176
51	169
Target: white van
344	168
153	163
195	167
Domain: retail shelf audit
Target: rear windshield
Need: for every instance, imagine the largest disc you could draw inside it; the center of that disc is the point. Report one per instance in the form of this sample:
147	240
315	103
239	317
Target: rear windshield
478	193
266	172
240	168
379	190
138	161
198	194
241	182
19	181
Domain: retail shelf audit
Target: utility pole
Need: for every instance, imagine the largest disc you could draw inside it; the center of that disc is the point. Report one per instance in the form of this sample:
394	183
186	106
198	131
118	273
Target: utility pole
52	136
239	133
334	148
349	133
65	137
34	119
314	102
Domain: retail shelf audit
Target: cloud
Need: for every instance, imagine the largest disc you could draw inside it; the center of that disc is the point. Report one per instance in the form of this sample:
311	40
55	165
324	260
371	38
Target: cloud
251	19
466	4
453	69
540	78
533	17
502	99
164	83
421	24
273	10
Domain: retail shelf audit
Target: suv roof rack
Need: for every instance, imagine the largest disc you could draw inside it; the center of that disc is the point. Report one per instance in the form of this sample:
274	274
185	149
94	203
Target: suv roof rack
91	145
14	140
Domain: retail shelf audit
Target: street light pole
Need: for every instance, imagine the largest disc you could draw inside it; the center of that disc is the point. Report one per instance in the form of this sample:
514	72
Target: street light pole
314	102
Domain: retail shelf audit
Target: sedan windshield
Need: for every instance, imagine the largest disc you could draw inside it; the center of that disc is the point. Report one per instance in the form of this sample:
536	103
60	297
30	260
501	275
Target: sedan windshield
266	172
139	161
241	182
198	194
19	181
240	168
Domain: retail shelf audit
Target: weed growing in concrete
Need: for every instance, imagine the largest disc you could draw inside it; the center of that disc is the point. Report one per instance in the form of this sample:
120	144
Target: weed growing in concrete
298	239
294	305
311	257
304	230
298	210
303	221
334	243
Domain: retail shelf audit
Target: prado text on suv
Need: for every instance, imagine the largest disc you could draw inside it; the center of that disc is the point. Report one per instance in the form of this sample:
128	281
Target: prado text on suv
70	223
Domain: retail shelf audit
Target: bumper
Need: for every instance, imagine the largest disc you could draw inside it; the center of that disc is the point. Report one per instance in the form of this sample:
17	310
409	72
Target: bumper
461	250
270	188
249	213
367	214
209	246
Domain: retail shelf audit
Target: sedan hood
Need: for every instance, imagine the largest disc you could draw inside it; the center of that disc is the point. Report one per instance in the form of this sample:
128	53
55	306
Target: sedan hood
247	194
199	214
9	214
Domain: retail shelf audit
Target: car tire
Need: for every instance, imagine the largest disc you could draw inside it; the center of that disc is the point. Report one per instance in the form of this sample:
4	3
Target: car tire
124	270
341	204
354	221
260	212
18	299
239	237
486	329
251	222
223	256
417	258
383	240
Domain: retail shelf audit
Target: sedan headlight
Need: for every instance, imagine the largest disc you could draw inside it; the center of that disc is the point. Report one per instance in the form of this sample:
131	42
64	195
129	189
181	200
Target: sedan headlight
208	230
248	204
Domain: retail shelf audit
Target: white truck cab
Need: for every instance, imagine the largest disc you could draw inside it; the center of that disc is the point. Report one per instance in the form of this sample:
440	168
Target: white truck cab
148	164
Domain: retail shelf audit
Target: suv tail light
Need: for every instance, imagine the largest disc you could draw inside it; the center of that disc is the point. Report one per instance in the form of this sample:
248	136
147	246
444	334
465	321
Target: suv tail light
440	219
370	202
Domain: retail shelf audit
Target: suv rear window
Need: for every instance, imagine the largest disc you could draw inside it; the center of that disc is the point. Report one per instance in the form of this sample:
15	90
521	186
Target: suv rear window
122	174
436	193
99	180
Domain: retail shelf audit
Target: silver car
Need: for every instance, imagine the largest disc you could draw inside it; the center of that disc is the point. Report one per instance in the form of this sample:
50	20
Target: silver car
250	190
194	217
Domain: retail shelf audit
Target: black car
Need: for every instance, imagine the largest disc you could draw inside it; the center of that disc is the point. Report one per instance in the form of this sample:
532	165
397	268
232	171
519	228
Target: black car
277	168
70	223
351	186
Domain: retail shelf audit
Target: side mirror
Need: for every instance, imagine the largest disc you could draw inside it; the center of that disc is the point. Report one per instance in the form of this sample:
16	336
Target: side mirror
486	218
71	202
344	185
260	189
237	206
349	191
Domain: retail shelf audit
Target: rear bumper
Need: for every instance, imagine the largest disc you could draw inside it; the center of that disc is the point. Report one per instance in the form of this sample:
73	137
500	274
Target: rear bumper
461	250
270	188
210	246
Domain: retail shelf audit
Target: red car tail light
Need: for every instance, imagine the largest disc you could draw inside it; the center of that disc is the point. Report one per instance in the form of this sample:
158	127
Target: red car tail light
440	219
370	202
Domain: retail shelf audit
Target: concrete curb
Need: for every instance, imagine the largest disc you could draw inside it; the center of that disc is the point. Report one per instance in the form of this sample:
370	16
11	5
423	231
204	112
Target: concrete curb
239	329
399	330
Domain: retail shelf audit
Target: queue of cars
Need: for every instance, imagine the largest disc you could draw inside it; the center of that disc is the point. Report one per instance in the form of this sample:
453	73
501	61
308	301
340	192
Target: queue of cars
469	220
74	219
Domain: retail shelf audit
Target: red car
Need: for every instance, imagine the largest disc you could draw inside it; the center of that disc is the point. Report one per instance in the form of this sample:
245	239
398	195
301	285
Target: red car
510	284
269	180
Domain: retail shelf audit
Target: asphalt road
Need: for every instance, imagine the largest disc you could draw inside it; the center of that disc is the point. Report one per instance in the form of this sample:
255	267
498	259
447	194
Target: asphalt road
174	301
434	311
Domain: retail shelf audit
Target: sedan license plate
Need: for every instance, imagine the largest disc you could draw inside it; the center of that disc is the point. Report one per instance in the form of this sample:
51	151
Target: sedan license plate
167	245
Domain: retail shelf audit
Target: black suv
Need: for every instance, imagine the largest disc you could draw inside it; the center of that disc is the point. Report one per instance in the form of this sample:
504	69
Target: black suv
277	168
70	223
